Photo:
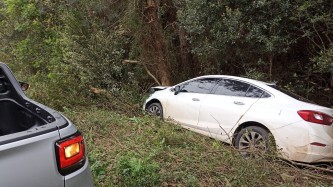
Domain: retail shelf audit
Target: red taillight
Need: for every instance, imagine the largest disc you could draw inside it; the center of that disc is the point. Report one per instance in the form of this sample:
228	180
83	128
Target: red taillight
70	153
318	144
315	117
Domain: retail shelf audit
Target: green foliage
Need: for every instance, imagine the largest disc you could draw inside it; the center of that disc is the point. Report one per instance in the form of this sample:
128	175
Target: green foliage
212	26
96	43
98	61
31	27
135	171
35	48
66	48
266	40
98	166
57	89
324	61
253	73
316	24
237	33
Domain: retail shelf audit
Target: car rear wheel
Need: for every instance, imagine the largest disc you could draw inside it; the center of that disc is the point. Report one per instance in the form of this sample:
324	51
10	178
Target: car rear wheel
253	141
155	109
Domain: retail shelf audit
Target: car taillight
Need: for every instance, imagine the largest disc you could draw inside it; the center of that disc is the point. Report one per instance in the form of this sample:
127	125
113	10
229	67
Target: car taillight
70	153
315	117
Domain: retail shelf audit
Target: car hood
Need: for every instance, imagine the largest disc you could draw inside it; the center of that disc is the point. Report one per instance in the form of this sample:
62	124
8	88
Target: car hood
158	88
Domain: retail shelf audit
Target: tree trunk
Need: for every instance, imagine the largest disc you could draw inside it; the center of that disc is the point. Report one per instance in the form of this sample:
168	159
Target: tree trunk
184	55
332	79
270	67
156	42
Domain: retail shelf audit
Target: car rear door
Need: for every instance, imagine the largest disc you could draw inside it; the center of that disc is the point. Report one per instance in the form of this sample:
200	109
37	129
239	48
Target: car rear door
184	106
222	110
30	161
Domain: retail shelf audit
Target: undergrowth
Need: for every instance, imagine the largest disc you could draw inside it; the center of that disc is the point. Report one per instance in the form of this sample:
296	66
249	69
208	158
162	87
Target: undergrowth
139	150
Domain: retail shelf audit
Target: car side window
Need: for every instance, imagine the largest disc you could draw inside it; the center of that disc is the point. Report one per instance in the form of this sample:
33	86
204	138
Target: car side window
231	88
199	86
254	92
265	95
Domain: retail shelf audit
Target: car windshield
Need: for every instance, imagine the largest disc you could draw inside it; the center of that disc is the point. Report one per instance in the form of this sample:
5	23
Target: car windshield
291	94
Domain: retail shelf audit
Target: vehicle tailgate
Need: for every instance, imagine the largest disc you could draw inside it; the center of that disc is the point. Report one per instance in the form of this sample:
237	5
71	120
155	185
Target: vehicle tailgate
30	162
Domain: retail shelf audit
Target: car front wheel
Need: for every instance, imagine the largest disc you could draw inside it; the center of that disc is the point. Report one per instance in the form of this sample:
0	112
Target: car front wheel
155	109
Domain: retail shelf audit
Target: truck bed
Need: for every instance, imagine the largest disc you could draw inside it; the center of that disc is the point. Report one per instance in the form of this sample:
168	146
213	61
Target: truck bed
16	118
31	138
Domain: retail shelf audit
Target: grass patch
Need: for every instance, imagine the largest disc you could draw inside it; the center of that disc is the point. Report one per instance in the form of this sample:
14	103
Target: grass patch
128	150
132	170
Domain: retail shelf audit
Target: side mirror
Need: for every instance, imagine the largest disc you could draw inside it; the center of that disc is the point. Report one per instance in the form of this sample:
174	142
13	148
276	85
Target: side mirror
24	86
177	90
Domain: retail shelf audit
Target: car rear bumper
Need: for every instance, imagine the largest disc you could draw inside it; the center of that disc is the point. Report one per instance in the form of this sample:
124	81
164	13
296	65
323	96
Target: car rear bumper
81	177
320	154
312	153
305	142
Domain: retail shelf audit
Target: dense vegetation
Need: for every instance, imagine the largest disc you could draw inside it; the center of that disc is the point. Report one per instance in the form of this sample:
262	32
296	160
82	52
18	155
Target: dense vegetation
125	46
105	54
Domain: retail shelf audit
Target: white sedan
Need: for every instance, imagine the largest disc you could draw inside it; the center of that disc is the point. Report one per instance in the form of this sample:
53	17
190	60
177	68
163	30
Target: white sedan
245	112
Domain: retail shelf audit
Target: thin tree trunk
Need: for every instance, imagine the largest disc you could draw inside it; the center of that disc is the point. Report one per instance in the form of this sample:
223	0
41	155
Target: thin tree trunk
157	42
184	55
332	79
270	67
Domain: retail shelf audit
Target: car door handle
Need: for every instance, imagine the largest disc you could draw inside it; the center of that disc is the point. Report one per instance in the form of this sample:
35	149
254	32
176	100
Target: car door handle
195	99
239	103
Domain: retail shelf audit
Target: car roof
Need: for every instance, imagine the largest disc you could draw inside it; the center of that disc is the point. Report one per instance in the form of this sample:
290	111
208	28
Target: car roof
267	87
235	77
263	85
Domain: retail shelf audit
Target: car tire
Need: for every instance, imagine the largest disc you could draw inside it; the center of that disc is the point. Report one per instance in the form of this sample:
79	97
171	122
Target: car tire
155	109
253	141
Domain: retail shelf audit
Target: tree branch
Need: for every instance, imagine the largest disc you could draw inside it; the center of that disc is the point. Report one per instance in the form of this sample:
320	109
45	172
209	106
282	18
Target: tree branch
322	42
145	67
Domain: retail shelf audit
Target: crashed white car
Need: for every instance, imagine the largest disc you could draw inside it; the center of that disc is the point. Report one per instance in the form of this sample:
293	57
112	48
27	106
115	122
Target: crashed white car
244	112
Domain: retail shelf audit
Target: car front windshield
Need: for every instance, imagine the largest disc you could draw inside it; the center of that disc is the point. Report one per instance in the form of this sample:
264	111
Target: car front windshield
291	94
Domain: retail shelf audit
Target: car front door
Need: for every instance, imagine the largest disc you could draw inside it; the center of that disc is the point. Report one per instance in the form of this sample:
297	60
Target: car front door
223	109
183	106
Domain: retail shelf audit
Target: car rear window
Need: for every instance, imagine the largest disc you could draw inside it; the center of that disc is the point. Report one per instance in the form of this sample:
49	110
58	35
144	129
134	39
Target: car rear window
254	92
232	88
291	94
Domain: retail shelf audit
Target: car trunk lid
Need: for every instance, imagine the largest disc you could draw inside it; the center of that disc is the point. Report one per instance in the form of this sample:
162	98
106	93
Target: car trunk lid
328	128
